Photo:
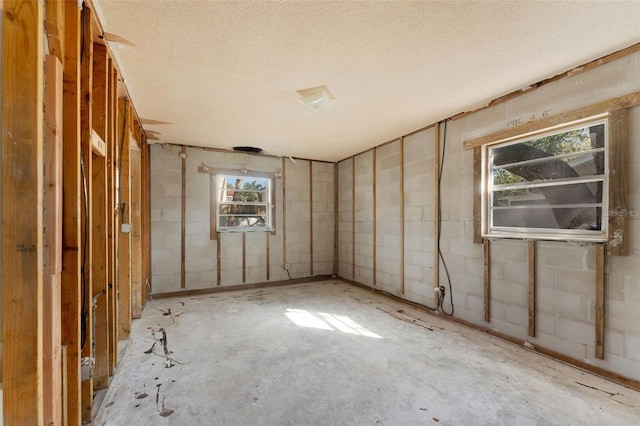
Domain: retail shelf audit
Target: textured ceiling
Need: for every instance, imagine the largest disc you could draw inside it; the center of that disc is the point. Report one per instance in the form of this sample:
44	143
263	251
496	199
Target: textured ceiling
227	73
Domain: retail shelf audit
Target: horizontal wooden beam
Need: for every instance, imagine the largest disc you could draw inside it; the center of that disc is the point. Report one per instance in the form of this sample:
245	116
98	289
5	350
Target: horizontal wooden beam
610	105
98	146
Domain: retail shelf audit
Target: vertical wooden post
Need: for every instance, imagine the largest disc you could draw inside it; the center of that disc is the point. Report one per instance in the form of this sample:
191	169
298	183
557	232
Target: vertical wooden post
311	216
532	288
218	261
487	280
146	218
86	127
374	218
22	220
336	217
136	224
477	195
284	212
244	257
401	215
53	243
124	212
600	294
71	198
268	249
353	216
183	217
436	222
99	229
112	215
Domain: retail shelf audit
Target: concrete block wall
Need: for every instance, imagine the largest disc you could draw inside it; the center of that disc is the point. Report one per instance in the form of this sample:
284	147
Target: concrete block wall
201	252
565	272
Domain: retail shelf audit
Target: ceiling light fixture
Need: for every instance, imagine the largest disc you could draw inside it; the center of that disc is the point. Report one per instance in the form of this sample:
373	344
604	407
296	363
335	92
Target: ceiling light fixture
315	97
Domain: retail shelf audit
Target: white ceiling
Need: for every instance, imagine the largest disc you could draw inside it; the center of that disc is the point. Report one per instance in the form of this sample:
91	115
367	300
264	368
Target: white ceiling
227	73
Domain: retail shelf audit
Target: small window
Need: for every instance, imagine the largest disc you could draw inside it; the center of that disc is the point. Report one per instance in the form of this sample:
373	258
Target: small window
552	185
243	202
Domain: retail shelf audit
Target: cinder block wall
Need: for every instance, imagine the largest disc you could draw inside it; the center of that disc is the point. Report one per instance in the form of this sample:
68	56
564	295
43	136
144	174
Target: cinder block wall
201	252
565	310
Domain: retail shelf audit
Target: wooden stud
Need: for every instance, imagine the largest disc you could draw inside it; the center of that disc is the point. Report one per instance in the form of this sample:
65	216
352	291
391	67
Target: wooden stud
477	195
311	217
618	184
113	216
99	229
218	261
55	28
353	216
52	242
401	215
532	288
86	210
609	105
136	227
244	257
374	214
124	220
436	222
336	218
268	249
284	211
183	217
22	220
600	294
213	229
487	280
72	196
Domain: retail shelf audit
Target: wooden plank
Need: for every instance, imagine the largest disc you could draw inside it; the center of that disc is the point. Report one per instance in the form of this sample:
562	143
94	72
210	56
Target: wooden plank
146	218
610	105
268	250
213	229
244	257
600	294
336	218
401	215
86	211
374	214
311	217
218	261
618	184
183	217
284	213
98	146
136	231
71	198
55	28
353	216
124	208
53	243
22	220
477	195
112	216
99	229
436	222
532	287
487	280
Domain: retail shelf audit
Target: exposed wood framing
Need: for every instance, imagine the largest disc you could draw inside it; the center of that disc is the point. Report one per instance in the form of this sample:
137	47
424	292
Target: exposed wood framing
353	216
600	294
98	145
618	184
609	105
55	28
52	243
72	196
310	217
112	216
401	215
244	257
284	212
487	280
374	213
336	218
146	218
218	261
86	211
136	224
22	237
532	287
477	195
436	222
183	215
99	231
268	253
124	211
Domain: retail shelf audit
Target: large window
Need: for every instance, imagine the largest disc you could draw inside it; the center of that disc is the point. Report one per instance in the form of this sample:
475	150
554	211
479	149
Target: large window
549	185
243	202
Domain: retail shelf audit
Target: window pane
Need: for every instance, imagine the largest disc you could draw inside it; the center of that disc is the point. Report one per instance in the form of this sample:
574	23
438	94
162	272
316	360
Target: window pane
584	218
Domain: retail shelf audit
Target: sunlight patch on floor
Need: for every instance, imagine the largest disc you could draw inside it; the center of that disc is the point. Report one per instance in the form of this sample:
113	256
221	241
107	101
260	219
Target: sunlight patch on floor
326	321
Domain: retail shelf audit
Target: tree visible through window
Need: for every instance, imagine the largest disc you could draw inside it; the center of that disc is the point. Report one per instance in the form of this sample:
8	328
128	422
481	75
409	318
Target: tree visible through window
553	185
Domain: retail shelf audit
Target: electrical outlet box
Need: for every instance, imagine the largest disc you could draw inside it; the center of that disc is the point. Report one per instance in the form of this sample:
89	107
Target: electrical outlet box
286	266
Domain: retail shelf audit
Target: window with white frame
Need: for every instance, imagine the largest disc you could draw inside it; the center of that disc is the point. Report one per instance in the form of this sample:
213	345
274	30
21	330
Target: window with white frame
242	201
549	185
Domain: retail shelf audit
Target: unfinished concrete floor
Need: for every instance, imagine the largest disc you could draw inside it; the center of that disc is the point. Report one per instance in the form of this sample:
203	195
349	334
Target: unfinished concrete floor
329	353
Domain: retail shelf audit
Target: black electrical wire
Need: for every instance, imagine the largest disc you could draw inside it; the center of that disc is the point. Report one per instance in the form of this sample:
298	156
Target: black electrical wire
439	219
